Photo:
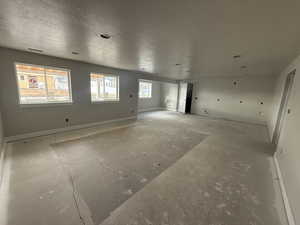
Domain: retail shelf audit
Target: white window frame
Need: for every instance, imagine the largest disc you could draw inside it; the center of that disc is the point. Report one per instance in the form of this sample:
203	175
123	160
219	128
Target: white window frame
117	84
70	101
149	82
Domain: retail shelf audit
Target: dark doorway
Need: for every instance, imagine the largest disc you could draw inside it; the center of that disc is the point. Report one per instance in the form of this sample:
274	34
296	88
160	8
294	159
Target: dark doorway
189	98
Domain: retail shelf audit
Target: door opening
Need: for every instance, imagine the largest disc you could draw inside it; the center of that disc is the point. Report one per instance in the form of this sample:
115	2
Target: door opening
189	98
182	97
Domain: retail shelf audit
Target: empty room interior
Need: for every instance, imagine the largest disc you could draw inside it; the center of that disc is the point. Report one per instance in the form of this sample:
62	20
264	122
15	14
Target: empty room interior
149	112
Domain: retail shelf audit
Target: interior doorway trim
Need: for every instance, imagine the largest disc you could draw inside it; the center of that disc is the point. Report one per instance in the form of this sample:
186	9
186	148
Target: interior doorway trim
283	106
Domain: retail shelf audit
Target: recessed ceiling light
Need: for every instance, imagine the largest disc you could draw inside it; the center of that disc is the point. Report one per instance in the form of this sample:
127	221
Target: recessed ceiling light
104	36
75	53
237	56
35	50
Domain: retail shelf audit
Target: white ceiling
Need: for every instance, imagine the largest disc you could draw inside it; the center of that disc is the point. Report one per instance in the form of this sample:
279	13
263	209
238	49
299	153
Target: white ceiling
154	35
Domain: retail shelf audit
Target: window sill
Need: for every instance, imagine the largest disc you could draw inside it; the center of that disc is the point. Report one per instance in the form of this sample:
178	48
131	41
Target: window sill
106	101
38	105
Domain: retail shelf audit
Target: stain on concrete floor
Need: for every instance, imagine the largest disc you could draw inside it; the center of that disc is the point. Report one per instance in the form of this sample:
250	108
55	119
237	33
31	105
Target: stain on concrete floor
168	168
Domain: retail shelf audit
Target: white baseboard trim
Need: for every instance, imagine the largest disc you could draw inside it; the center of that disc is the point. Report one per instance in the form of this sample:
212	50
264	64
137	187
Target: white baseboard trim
171	109
151	109
64	129
288	210
262	123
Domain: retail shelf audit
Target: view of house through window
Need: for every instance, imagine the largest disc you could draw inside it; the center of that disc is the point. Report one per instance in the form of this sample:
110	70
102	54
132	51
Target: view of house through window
39	84
145	89
104	87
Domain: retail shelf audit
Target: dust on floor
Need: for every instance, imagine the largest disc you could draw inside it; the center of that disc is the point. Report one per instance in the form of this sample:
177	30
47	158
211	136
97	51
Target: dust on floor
167	168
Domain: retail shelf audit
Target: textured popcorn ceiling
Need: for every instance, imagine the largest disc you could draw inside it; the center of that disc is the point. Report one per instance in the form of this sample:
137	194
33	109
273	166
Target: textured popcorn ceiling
152	36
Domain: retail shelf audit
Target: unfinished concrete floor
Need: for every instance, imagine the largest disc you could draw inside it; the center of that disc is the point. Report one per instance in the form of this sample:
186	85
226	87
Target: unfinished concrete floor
165	168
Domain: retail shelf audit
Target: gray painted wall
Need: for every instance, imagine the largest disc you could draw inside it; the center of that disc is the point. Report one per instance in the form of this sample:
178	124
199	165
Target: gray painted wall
251	90
169	95
288	152
145	104
1	132
20	120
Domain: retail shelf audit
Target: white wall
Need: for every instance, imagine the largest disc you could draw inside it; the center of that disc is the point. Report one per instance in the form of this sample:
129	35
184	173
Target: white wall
19	120
169	96
1	149
146	104
220	97
164	96
288	153
1	132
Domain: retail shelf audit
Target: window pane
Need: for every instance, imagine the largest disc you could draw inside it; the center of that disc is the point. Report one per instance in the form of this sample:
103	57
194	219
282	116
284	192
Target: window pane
58	85
31	80
38	84
110	88
145	89
104	87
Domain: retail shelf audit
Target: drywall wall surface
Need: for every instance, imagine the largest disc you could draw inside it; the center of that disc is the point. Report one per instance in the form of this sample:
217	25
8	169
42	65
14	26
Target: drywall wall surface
169	96
278	92
246	98
288	153
145	104
1	132
20	120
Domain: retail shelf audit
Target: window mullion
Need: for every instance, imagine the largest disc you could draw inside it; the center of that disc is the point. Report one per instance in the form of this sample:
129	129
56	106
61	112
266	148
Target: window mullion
118	92
98	87
103	88
46	84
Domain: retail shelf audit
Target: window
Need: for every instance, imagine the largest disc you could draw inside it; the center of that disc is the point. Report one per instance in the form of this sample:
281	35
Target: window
104	87
41	85
145	89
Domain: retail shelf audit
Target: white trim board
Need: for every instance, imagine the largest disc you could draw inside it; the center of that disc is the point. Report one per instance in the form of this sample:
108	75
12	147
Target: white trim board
171	109
151	109
288	209
2	155
59	130
262	123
